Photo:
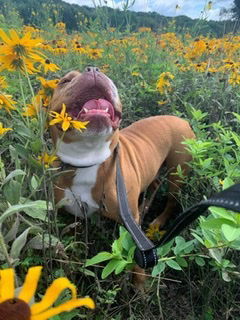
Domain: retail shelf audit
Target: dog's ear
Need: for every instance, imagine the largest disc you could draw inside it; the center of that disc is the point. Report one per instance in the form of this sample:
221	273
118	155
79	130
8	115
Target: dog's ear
59	90
68	78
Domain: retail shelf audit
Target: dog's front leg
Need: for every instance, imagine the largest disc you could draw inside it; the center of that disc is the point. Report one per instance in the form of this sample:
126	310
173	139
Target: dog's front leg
139	278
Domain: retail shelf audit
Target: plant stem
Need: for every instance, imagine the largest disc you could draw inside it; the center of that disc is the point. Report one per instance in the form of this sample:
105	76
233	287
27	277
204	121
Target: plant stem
3	249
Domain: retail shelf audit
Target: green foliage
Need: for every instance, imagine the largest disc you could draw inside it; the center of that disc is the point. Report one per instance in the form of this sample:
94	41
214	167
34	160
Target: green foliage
236	9
121	257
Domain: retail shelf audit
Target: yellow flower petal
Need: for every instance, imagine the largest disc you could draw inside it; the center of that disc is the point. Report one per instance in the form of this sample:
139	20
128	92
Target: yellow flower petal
79	124
67	306
6	284
65	124
52	294
30	284
54	121
63	110
4	37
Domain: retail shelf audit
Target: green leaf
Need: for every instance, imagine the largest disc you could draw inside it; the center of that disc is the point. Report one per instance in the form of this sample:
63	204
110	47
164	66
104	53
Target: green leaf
121	266
173	264
17	208
231	233
183	246
13	174
127	242
164	250
217	254
130	256
200	261
224	213
41	241
34	183
237	116
182	261
227	183
159	268
40	211
12	191
226	277
100	257
117	247
196	236
110	267
20	242
214	223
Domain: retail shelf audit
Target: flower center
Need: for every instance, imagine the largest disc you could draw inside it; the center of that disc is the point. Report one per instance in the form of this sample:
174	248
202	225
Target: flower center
14	309
20	50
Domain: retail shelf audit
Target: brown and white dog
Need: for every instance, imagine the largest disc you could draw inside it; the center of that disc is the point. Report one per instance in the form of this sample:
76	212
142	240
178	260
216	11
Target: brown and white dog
144	147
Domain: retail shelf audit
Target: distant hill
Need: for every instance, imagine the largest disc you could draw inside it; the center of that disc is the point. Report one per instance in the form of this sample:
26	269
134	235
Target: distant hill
42	13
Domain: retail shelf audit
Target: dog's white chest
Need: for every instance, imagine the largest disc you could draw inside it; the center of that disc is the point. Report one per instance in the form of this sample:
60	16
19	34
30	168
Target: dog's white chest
79	196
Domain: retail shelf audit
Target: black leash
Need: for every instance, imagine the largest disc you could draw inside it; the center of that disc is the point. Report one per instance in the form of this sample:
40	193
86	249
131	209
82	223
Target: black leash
146	251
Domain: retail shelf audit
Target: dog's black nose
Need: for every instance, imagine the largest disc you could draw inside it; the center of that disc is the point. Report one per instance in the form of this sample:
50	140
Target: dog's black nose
92	69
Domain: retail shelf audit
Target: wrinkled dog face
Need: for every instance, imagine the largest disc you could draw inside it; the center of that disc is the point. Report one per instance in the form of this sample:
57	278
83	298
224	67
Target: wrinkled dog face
89	96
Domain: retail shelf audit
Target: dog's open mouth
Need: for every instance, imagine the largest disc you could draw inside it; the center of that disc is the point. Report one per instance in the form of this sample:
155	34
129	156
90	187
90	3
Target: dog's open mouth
98	111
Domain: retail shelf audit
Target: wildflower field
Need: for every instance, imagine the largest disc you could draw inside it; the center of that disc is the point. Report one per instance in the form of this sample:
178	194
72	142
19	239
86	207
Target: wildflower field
194	77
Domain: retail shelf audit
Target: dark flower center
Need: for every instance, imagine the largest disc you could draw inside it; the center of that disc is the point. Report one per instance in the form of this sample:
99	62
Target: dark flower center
20	50
14	309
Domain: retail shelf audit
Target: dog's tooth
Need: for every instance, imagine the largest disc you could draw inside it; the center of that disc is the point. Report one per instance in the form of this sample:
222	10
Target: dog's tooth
106	110
85	110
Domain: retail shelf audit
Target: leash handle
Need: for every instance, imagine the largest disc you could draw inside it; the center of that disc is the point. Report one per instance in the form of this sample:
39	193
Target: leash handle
146	252
228	199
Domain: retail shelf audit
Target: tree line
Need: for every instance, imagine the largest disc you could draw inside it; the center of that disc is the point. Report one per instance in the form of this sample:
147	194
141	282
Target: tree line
40	13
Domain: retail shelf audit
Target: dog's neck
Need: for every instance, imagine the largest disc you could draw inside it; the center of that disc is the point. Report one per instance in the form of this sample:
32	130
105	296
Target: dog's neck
88	151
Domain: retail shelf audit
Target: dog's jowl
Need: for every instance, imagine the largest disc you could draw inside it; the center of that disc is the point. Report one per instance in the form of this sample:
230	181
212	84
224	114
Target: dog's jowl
143	147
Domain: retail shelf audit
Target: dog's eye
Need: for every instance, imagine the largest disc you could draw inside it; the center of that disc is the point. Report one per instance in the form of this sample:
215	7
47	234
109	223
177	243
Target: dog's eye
64	80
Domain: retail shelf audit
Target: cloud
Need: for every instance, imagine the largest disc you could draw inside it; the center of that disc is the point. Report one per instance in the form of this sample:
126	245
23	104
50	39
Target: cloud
191	8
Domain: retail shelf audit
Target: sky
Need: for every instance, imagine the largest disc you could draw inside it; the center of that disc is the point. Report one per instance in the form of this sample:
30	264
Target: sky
190	8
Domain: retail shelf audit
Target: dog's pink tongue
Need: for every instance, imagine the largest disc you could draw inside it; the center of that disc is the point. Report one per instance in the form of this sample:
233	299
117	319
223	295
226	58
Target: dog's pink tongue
100	104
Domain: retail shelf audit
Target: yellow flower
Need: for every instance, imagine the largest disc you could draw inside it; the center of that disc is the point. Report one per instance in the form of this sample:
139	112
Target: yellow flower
48	66
200	67
52	84
154	233
7	102
221	182
3	83
32	109
47	159
162	102
163	83
94	53
234	79
66	120
209	5
11	62
14	45
135	74
3	130
19	53
144	29
13	307
44	95
61	26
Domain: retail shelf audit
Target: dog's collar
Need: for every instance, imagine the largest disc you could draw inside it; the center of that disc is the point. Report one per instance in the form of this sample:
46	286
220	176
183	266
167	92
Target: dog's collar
66	166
